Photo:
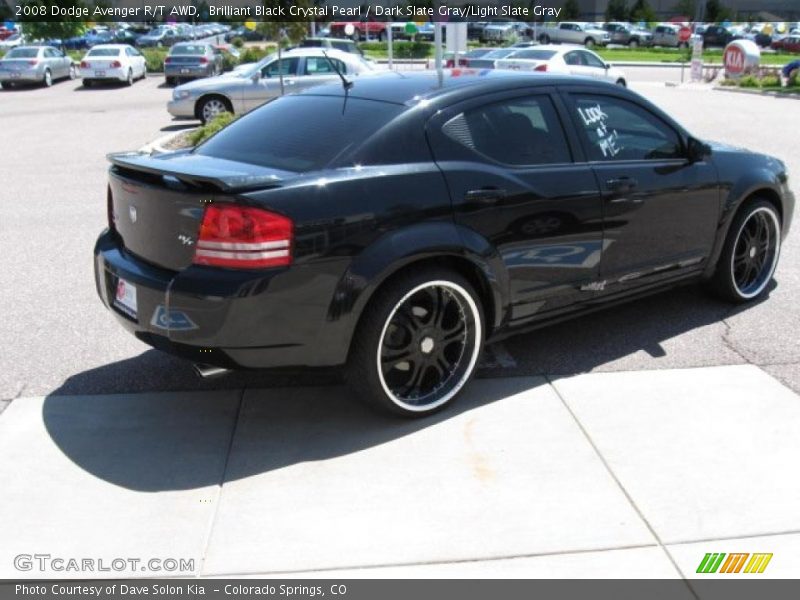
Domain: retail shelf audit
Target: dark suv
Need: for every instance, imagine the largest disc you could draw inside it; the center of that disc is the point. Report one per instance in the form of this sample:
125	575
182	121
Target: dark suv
394	224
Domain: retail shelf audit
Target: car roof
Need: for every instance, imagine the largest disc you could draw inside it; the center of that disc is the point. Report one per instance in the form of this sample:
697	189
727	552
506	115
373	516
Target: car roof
110	46
411	87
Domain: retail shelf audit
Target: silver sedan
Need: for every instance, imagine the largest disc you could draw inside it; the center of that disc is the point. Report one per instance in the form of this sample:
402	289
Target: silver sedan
35	64
251	86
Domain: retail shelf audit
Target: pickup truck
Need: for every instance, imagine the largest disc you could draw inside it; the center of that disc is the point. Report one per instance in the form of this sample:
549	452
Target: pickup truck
571	32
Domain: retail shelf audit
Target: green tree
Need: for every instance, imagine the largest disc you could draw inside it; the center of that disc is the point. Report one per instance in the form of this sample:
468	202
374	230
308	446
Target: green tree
617	10
284	32
62	29
570	11
715	12
642	11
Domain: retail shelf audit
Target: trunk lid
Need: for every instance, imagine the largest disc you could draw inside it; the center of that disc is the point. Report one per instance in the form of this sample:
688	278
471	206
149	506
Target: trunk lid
158	202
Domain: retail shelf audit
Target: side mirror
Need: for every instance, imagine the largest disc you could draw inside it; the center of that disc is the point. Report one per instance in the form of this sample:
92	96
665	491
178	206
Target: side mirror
606	66
256	77
698	150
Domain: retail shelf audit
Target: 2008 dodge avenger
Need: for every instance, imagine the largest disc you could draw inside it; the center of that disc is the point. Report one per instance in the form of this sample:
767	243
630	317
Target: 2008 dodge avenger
396	224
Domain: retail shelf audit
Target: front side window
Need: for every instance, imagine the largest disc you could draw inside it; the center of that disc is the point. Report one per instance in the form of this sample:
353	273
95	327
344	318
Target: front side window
521	131
615	129
592	61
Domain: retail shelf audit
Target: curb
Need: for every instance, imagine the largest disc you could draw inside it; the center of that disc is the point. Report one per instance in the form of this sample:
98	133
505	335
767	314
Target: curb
157	146
756	92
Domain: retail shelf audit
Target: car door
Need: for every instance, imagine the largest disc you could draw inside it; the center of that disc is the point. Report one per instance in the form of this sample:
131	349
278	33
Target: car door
595	65
660	209
268	85
518	180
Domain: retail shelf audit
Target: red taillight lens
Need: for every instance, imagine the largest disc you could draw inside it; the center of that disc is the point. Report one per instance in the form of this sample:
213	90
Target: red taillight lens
203	60
84	64
33	63
110	210
167	60
242	237
541	68
115	64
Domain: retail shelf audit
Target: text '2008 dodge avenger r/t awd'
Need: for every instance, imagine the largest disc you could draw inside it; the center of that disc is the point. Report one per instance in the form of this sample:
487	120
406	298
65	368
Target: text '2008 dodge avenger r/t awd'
395	224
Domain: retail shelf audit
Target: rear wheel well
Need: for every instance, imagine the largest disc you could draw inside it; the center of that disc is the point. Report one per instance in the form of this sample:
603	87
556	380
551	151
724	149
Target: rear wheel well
464	267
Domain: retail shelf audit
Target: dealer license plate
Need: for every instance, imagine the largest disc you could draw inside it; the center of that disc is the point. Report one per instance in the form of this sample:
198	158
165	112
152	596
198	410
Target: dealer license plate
99	73
184	70
125	297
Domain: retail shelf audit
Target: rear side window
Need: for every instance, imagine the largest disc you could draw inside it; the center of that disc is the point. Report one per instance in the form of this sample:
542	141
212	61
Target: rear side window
300	133
519	131
616	129
319	65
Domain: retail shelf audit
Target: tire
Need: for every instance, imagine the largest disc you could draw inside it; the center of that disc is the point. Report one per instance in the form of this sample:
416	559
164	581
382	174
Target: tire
634	43
211	106
73	72
417	344
129	79
589	42
169	80
87	83
750	253
544	39
381	36
622	82
144	73
47	78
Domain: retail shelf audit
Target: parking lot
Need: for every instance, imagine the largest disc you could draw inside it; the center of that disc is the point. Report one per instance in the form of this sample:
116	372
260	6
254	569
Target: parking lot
549	465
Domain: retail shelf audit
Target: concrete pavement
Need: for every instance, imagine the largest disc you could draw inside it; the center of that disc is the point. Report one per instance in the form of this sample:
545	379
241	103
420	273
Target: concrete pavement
625	474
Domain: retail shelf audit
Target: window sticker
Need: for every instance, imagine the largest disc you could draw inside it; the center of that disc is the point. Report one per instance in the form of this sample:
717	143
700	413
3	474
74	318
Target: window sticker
607	139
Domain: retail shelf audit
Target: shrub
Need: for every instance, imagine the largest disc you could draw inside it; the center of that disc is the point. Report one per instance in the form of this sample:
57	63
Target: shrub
253	54
401	49
770	81
728	82
229	61
237	42
216	124
154	57
748	81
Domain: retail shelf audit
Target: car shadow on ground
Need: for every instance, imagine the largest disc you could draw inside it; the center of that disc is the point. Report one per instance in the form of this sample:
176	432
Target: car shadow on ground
178	127
156	442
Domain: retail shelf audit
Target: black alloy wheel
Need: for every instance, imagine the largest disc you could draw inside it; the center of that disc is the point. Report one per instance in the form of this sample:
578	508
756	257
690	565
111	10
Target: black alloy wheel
750	254
418	343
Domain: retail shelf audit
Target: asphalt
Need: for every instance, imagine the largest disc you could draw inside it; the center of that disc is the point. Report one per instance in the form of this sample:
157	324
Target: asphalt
59	339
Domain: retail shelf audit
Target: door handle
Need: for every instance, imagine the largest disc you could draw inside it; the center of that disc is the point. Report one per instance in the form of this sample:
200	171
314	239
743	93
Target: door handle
288	81
622	184
487	195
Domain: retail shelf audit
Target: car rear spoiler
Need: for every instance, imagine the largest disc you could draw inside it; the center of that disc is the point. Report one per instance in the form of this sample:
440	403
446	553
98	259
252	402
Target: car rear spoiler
199	170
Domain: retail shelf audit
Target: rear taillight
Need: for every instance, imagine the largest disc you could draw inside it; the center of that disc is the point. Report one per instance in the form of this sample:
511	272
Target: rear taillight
541	68
84	64
33	63
110	210
167	60
203	60
242	237
115	64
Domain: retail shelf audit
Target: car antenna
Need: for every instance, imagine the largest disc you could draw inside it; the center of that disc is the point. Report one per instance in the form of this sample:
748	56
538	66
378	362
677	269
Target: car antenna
346	83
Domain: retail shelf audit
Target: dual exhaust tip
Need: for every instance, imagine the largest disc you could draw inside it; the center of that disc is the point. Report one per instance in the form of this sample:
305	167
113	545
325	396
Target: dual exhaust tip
209	371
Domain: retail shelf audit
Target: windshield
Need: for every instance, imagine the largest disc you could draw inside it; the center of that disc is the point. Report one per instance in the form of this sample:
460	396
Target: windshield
193	49
23	53
300	133
103	52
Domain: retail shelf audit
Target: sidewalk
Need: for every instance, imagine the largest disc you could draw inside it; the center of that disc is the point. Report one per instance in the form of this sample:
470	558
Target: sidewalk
626	474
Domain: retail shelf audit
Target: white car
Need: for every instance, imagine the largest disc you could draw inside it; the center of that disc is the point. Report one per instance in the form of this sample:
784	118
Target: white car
112	62
573	60
12	41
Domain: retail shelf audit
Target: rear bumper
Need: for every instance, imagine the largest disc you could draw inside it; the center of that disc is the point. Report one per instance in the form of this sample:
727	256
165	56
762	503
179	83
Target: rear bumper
223	317
21	76
187	71
120	74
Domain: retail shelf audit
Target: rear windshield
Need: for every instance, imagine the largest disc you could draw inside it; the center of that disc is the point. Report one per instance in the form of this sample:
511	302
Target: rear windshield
23	53
103	52
535	54
193	49
300	133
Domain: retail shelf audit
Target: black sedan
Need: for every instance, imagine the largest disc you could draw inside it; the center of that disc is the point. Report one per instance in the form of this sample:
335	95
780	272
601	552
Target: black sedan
395	224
